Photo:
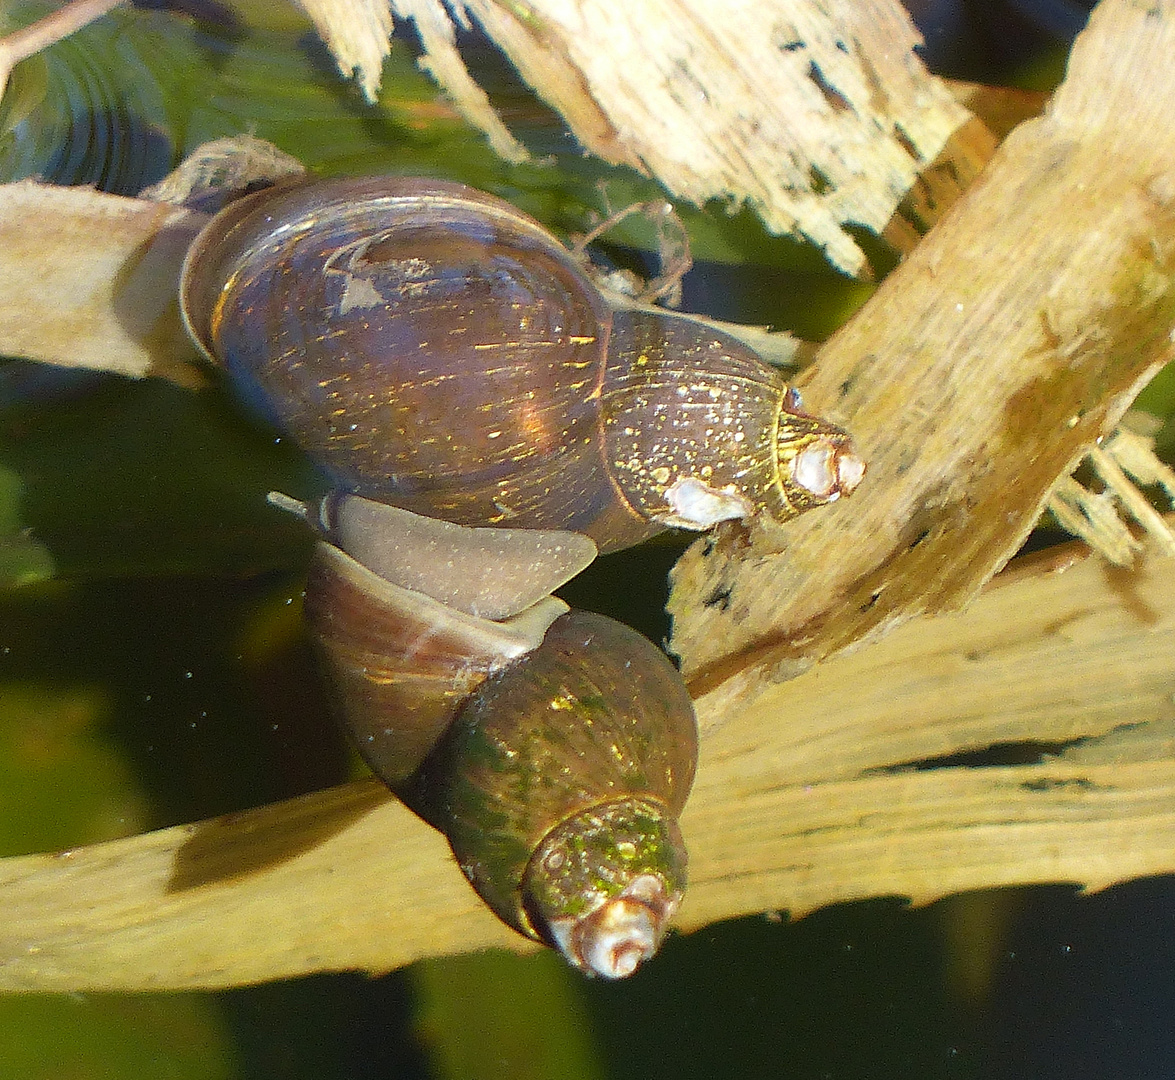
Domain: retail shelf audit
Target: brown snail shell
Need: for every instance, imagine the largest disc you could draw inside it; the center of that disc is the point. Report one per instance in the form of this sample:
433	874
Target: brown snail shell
554	749
433	347
563	777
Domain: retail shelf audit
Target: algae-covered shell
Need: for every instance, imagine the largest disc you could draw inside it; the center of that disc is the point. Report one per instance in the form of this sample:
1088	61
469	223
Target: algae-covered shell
554	749
559	786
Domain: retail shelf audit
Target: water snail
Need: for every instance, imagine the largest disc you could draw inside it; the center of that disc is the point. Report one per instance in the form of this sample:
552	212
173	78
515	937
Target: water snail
433	347
490	420
554	749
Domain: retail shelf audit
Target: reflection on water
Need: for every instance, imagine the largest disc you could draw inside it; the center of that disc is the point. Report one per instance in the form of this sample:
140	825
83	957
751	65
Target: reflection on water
87	111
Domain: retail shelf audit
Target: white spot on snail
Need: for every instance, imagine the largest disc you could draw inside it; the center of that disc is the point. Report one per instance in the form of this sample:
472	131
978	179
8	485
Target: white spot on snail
613	940
850	470
827	470
359	293
694	504
814	469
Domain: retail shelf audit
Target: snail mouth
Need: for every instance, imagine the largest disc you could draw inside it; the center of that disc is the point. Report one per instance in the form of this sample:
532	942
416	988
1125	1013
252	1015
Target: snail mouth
615	938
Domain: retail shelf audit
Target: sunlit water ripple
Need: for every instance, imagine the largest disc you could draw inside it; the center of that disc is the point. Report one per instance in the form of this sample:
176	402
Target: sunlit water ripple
87	111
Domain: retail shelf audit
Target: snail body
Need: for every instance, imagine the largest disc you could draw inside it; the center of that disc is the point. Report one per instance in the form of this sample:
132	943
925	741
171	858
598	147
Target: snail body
433	347
553	748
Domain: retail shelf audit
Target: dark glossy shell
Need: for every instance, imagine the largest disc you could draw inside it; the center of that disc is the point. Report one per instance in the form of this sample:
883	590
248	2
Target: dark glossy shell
431	346
595	718
400	665
425	343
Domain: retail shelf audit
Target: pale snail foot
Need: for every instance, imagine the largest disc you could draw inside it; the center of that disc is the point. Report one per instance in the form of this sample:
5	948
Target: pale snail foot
614	939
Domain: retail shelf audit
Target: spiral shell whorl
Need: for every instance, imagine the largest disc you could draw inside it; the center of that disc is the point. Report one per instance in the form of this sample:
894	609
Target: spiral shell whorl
559	784
700	430
604	884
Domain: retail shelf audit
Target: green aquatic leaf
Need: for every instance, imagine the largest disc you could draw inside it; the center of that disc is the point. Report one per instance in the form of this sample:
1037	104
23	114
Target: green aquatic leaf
62	781
134	478
491	1015
23	559
178	1036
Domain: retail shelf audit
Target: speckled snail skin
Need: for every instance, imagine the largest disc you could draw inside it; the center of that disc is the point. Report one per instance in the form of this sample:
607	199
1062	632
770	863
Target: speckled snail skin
554	749
433	347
